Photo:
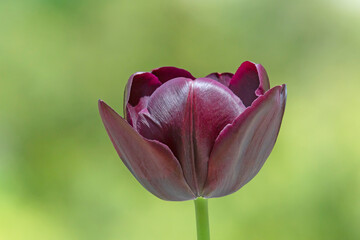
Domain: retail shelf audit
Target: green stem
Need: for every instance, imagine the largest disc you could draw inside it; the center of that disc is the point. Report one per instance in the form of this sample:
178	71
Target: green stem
202	219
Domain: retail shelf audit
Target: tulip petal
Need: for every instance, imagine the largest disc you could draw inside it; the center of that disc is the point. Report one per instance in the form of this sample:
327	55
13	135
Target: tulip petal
249	82
151	162
164	74
264	80
223	78
242	147
187	116
138	86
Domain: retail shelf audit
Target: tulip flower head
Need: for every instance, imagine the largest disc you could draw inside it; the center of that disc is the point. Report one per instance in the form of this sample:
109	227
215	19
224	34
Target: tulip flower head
184	137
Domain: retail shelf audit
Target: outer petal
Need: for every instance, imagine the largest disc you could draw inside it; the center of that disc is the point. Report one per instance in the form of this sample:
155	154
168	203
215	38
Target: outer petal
187	116
151	162
223	78
243	146
166	73
249	82
138	86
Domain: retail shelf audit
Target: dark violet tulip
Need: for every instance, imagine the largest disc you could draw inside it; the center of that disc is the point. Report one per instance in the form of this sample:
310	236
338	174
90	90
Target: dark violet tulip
185	137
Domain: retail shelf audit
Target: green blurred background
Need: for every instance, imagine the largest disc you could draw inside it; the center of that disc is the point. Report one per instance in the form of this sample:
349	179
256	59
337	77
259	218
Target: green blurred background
60	177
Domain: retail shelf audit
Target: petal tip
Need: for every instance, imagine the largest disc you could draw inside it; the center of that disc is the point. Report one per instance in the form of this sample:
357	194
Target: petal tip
248	62
105	110
102	105
281	91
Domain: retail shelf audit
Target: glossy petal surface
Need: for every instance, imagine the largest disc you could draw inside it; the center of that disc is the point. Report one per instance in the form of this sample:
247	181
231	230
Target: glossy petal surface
164	74
152	163
249	82
187	116
243	146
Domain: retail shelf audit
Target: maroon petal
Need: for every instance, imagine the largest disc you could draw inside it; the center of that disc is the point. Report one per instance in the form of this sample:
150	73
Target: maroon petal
249	82
151	162
243	146
166	73
138	86
223	78
187	116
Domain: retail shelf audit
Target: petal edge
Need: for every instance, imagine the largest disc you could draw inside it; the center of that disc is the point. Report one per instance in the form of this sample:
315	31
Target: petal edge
165	74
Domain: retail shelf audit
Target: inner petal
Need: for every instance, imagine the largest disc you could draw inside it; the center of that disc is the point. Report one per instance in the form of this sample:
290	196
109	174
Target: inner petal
249	82
223	78
132	112
140	85
165	74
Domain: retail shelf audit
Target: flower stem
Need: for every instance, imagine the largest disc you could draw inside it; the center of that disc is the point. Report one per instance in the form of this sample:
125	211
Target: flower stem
202	219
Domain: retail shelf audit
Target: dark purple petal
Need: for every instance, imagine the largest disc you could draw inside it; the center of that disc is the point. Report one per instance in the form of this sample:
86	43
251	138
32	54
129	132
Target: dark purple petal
138	86
223	78
187	116
151	162
243	146
166	73
249	82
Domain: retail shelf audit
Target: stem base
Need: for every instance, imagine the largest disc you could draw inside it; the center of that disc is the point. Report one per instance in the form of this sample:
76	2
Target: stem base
202	219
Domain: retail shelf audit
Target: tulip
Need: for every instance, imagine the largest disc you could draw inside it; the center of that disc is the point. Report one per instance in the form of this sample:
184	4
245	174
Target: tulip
185	138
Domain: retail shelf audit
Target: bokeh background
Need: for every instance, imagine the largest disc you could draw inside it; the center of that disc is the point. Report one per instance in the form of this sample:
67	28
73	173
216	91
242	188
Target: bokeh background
60	177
